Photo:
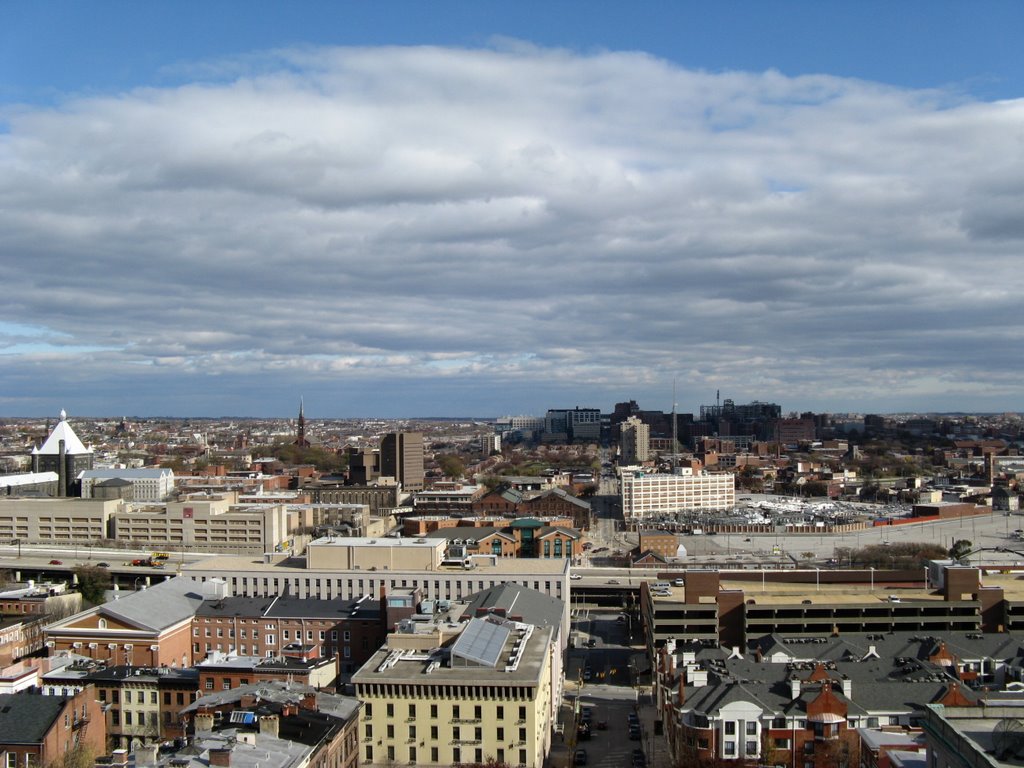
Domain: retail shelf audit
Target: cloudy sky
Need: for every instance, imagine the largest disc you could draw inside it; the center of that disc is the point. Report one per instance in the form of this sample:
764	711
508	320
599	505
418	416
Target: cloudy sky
402	209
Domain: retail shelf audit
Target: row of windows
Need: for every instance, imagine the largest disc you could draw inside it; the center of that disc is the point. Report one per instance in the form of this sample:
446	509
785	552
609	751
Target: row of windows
348	588
140	696
286	634
388	754
412	710
457	733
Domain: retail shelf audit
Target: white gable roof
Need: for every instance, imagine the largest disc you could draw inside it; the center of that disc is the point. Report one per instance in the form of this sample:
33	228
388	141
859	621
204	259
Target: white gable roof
62	431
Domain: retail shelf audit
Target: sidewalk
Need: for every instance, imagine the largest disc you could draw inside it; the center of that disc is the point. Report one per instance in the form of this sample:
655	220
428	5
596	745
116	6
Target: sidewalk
654	745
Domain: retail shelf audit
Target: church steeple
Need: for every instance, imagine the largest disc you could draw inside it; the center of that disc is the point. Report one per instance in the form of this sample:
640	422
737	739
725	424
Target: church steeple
300	437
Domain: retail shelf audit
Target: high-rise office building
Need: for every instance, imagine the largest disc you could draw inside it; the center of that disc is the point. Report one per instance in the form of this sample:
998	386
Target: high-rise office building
401	457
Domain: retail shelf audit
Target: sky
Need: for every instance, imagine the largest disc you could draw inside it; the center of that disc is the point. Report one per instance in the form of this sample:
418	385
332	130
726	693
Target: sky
478	209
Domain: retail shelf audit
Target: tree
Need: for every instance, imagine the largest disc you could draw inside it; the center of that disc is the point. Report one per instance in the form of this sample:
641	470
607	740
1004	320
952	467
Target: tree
451	466
960	549
93	582
79	756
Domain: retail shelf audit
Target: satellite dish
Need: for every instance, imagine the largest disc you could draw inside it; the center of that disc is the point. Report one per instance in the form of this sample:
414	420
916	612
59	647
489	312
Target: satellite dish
1007	737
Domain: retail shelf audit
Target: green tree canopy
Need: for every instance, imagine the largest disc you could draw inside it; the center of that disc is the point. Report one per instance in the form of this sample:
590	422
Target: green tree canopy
93	582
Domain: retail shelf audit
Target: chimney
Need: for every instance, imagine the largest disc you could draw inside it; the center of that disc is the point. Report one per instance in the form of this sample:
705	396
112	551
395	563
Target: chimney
202	722
221	757
309	701
145	754
794	687
270	725
847	687
119	757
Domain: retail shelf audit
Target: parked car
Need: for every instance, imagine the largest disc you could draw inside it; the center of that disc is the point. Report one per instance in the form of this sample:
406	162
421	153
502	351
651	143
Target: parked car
638	758
102	565
613	581
581	757
634	733
56	562
575	576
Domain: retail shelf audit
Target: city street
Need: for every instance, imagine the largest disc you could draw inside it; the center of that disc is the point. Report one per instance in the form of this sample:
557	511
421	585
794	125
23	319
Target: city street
602	679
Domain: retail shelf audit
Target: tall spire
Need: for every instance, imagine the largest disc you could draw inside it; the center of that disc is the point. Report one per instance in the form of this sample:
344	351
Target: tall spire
300	437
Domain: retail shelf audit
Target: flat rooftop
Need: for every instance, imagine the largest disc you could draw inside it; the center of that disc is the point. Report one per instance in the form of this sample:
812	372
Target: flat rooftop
378	542
228	565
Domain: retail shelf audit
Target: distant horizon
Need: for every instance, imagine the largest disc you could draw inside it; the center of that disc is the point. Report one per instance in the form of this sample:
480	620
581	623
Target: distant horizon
72	418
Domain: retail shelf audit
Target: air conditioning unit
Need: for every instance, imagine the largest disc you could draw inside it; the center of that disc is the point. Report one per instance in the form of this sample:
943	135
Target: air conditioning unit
111	646
76	645
128	646
92	645
154	647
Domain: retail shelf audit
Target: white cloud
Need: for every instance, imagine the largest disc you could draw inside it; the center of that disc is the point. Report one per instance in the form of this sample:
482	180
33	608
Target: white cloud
518	224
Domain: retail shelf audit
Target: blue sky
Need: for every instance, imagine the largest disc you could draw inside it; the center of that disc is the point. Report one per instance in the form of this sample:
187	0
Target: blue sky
400	209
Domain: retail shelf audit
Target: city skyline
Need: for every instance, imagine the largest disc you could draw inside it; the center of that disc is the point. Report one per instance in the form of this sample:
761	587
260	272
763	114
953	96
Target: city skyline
500	211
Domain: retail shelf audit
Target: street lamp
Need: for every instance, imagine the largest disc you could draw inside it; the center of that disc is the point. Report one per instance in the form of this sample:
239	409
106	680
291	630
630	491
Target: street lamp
872	578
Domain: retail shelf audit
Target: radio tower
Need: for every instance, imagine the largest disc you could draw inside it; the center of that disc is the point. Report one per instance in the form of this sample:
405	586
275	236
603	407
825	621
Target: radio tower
675	428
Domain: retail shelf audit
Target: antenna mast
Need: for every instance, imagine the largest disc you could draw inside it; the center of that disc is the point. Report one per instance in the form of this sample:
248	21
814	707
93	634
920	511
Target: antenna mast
675	428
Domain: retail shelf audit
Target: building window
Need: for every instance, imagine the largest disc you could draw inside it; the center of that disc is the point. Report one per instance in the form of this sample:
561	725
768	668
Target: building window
752	728
390	710
433	755
478	712
751	748
390	733
730	748
209	684
730	728
412	710
501	712
433	710
127	718
433	732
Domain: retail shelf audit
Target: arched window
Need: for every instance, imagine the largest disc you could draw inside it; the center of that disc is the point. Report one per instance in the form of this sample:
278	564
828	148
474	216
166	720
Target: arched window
102	624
